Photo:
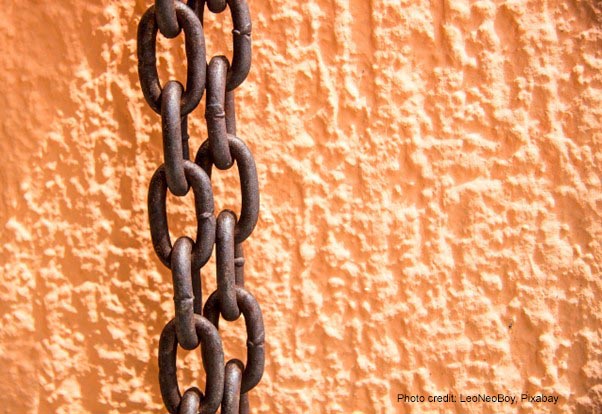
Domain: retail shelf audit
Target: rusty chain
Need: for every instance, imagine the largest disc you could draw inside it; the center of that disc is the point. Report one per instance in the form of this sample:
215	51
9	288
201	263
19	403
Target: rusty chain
194	325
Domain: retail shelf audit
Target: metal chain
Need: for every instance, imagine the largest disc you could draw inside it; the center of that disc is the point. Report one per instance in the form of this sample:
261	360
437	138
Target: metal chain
227	385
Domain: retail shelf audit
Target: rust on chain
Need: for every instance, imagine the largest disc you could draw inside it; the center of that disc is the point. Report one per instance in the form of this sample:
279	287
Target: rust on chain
241	58
203	202
255	334
183	297
216	6
232	382
239	265
191	401
167	20
241	37
197	290
226	386
244	404
215	114
230	113
225	267
195	56
185	137
249	186
171	125
239	257
212	355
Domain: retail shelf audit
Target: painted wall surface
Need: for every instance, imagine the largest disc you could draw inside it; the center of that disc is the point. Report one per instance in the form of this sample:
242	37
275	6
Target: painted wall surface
431	220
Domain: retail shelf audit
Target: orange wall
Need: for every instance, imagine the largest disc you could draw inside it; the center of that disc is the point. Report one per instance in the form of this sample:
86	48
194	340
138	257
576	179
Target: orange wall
431	205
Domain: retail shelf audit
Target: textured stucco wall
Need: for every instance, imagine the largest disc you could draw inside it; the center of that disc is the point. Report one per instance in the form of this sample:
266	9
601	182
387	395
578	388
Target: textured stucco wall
431	205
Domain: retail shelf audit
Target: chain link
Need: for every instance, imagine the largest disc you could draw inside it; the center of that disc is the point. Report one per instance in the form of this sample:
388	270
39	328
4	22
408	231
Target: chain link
212	354
255	333
249	186
241	37
194	42
196	325
203	201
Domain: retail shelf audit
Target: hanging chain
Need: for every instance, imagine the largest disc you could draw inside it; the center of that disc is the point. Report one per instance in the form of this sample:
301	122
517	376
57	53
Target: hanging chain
194	325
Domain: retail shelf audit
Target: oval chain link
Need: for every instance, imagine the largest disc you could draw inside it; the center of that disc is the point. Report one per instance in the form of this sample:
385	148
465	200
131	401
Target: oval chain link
241	37
212	355
195	56
255	333
203	202
249	185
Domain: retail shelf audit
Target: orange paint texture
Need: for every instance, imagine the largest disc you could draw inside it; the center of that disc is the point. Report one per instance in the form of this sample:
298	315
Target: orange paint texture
431	220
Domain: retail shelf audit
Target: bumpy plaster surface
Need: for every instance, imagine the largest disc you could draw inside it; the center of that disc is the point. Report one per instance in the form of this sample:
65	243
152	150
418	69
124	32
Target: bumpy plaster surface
431	205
